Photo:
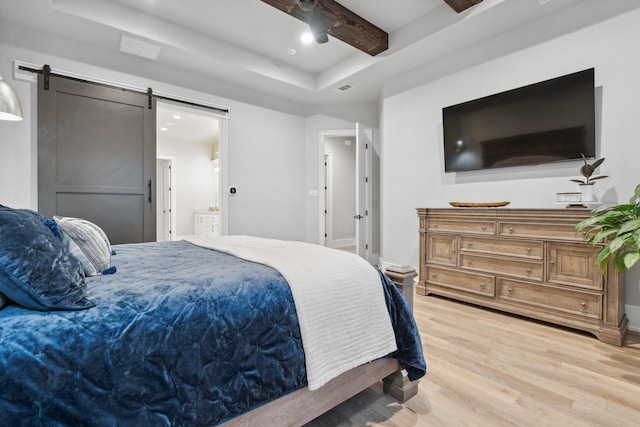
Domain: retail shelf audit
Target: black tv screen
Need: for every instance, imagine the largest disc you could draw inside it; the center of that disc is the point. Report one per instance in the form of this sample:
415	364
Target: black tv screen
549	121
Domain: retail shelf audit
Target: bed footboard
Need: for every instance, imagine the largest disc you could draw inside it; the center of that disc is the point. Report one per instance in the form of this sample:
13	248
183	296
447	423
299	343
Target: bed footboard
302	406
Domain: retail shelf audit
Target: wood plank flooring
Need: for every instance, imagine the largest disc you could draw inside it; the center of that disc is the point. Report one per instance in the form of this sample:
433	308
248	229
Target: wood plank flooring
486	368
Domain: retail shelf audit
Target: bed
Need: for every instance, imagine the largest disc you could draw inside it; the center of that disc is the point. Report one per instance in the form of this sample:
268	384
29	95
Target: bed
177	333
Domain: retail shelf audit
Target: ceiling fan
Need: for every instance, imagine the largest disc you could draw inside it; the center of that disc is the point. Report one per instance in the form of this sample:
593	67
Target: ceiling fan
316	24
328	17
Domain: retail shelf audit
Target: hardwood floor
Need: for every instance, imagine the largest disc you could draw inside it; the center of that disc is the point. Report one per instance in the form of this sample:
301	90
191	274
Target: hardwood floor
486	368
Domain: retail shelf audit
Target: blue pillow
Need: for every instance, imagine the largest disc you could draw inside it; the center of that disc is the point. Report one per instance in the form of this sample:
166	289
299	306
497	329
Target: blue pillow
36	269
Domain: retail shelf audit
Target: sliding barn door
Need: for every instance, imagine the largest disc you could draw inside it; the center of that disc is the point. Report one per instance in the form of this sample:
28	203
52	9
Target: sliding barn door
96	157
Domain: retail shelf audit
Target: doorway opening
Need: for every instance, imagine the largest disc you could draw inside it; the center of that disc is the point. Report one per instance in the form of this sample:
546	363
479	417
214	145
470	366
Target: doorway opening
340	192
190	143
346	196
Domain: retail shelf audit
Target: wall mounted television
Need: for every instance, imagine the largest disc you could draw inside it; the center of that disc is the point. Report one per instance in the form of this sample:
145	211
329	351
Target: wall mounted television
544	122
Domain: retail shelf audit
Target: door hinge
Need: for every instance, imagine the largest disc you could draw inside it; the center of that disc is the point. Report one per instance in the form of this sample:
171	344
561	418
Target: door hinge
366	213
366	246
150	95
366	179
366	146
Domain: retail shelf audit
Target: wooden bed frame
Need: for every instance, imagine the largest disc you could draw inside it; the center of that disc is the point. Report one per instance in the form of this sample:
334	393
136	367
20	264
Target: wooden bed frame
304	405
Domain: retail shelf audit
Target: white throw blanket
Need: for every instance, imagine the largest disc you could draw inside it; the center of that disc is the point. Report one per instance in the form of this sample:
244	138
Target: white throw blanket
339	300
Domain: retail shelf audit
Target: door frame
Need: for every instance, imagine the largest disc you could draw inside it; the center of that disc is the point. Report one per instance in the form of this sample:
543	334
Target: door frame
223	129
172	202
322	135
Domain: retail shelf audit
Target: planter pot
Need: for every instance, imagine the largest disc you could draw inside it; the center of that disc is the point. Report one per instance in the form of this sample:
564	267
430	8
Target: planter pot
586	193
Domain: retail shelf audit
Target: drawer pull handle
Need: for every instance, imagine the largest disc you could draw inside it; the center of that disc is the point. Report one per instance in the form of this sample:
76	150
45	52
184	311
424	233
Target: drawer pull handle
469	244
435	225
483	285
469	261
529	250
483	228
551	262
583	304
510	229
528	270
510	290
434	275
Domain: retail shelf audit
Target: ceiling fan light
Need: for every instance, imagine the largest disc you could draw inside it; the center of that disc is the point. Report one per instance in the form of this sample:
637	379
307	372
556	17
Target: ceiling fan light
318	28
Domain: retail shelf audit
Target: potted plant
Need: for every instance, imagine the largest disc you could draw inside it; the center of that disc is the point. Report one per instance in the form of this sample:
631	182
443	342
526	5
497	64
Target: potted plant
619	227
586	185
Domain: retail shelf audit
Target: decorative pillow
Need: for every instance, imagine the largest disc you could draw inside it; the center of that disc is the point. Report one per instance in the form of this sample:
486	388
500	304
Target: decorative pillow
88	243
36	269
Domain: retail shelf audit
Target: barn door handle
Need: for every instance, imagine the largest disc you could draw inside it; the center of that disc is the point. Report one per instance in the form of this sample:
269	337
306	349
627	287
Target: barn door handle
149	185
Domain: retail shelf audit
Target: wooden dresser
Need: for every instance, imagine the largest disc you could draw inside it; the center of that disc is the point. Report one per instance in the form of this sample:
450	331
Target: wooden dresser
529	262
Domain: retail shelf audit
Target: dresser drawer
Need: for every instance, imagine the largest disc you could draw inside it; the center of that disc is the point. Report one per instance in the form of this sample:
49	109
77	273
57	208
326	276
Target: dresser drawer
574	264
461	280
568	301
532	270
533	249
459	226
442	249
539	230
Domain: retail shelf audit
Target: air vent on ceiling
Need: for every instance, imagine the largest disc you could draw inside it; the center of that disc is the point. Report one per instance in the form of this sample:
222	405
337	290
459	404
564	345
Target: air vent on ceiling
139	47
543	1
342	88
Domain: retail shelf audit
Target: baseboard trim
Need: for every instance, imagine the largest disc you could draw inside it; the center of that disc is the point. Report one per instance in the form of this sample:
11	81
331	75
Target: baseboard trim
341	243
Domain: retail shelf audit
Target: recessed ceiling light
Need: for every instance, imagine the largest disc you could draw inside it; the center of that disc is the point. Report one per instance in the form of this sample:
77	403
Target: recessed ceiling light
306	37
177	117
291	51
164	129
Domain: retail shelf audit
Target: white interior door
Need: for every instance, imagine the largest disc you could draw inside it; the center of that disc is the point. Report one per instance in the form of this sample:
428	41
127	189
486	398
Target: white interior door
363	192
164	202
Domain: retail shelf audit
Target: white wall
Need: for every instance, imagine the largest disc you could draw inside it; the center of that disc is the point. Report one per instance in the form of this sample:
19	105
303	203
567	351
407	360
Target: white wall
412	163
272	155
193	188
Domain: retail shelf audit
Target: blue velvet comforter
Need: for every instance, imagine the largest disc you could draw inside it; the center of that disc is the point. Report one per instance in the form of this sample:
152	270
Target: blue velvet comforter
181	335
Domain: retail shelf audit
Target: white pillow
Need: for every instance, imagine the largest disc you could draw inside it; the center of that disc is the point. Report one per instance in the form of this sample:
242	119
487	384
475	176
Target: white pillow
87	242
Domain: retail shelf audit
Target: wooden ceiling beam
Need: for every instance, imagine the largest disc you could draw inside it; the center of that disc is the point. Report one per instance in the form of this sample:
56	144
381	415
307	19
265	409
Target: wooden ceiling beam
341	23
461	5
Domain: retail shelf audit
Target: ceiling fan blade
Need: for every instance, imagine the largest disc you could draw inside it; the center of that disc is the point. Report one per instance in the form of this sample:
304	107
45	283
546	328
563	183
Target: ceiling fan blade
341	23
461	5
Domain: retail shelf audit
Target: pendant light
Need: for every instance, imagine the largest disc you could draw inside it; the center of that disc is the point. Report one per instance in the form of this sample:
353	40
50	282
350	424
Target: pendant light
10	108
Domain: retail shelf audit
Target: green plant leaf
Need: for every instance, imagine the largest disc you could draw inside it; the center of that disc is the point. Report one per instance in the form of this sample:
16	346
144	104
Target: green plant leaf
597	163
587	170
630	258
598	177
630	226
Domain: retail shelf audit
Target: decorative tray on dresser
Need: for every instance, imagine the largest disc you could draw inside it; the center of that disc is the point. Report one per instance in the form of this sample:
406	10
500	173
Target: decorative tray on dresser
529	262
